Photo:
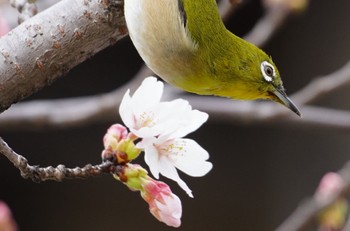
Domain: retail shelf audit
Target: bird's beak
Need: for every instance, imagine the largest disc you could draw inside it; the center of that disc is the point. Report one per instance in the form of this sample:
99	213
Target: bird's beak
283	99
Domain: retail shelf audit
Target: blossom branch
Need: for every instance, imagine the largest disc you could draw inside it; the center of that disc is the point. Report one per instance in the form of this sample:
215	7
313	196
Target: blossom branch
59	173
305	215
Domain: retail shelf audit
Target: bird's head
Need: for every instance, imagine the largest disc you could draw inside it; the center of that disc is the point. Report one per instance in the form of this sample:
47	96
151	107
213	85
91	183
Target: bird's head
255	77
270	84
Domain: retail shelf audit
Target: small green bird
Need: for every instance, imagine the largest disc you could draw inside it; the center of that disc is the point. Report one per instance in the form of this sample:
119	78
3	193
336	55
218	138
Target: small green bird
186	43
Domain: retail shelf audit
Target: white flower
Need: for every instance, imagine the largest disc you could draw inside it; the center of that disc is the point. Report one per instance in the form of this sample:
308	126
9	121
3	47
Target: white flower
161	125
146	116
141	112
163	155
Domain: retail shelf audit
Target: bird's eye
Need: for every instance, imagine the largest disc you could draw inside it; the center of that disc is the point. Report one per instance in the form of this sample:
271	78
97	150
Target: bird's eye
268	71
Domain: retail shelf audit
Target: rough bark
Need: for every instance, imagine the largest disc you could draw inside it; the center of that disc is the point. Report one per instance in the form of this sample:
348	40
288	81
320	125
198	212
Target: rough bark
48	45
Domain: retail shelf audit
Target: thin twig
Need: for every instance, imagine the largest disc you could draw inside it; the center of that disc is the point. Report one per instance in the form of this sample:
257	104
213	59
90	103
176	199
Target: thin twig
59	173
323	86
267	26
275	17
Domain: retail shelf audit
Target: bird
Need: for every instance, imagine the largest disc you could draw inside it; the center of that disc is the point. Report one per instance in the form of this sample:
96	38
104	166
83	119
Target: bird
186	43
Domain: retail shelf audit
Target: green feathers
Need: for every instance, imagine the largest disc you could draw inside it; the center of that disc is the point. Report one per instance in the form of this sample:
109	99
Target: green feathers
186	43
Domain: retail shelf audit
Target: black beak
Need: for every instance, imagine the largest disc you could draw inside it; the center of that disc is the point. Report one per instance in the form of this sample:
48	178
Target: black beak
283	99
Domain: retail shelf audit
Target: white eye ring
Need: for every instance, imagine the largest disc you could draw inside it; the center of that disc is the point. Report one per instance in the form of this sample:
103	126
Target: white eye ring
268	71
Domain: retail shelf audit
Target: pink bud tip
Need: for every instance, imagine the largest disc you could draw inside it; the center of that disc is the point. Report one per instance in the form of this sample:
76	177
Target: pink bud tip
330	184
163	204
6	221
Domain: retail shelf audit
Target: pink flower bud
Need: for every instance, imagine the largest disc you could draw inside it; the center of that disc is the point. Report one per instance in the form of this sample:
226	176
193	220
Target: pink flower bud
6	221
114	135
334	216
163	204
330	184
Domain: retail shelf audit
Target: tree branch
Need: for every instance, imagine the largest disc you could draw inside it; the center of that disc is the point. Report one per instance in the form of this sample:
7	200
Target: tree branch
277	14
323	86
267	26
58	173
61	113
93	109
51	43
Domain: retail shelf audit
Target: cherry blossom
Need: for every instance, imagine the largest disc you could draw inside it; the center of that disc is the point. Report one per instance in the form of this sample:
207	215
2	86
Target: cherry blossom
162	126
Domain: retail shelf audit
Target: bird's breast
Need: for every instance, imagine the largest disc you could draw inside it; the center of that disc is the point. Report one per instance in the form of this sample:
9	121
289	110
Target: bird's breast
160	37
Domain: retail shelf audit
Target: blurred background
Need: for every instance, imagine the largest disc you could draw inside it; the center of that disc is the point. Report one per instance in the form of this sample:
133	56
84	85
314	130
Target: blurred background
261	172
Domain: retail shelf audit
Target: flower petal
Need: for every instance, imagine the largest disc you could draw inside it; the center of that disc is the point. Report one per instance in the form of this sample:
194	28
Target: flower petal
191	121
162	118
114	135
170	212
133	109
178	118
163	204
148	94
151	159
174	114
189	157
167	169
126	111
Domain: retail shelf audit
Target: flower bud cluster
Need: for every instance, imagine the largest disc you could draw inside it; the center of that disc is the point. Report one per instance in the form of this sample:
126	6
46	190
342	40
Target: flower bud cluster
157	129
